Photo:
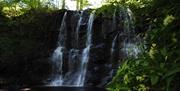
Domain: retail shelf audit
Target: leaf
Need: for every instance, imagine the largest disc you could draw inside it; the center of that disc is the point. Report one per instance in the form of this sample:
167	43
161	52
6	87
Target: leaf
162	65
163	52
172	72
154	79
168	82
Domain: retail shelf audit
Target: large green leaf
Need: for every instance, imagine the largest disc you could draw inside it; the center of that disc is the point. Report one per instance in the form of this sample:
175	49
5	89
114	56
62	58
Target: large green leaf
154	79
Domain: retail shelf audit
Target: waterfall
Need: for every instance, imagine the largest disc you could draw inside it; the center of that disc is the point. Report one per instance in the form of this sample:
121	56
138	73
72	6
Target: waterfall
129	46
130	43
86	51
116	41
124	40
113	46
114	21
77	28
57	57
115	38
77	60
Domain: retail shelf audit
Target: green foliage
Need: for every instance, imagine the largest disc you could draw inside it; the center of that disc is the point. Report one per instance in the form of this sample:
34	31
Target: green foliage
107	9
146	73
169	19
63	4
20	39
131	3
159	66
81	4
14	8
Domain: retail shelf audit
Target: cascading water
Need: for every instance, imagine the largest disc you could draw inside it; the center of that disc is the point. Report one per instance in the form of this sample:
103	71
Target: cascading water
57	57
77	58
77	28
114	21
76	38
130	43
113	46
86	51
115	38
124	41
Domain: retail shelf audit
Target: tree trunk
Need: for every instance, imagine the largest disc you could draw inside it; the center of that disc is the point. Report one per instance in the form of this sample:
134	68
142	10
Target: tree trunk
63	4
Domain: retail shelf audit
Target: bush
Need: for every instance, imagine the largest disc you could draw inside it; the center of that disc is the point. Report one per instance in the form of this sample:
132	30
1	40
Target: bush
158	67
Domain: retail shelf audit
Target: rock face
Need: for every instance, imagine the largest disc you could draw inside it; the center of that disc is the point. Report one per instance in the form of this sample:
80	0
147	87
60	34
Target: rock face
27	45
101	66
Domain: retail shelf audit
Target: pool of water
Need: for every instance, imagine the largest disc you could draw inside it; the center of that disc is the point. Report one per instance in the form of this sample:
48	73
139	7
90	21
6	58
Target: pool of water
42	88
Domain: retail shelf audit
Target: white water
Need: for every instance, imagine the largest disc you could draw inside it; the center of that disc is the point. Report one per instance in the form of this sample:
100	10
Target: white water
130	43
115	38
86	51
57	57
113	46
77	60
77	28
114	21
129	46
131	49
71	63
